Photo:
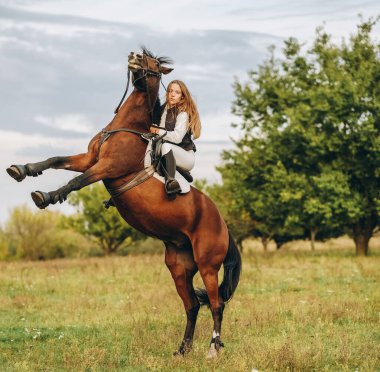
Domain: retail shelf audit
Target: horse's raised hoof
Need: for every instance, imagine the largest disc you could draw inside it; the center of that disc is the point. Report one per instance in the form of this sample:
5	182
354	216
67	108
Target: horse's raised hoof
18	172
41	199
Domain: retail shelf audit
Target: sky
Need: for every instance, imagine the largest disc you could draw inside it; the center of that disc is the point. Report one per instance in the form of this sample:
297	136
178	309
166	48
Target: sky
63	68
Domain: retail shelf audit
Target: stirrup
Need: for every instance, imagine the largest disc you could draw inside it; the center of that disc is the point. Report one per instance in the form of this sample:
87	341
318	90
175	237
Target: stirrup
172	186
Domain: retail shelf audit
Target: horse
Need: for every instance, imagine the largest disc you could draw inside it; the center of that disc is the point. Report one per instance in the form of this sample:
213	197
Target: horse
195	236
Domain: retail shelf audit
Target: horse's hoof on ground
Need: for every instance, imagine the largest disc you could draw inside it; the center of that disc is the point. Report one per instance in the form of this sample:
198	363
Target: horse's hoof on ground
183	349
18	172
212	353
41	199
178	354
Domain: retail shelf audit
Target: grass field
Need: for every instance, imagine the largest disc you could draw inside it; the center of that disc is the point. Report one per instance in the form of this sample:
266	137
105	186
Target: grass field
293	310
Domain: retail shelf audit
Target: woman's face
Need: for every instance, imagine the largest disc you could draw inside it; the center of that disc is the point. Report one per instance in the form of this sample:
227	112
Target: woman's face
174	94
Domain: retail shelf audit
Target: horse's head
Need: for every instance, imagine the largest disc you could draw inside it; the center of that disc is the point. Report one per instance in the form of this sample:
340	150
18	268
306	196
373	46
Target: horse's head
147	69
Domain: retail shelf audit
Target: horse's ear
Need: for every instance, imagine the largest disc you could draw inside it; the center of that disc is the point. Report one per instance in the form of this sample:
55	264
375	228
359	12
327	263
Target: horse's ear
166	70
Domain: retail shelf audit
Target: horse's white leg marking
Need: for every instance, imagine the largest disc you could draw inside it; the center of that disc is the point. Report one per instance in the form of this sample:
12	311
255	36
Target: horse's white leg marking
212	353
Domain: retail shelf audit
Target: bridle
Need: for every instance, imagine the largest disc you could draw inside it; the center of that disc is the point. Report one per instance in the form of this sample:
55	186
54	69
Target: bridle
146	72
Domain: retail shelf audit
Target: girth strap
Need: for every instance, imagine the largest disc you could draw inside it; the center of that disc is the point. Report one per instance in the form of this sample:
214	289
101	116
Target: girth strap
140	177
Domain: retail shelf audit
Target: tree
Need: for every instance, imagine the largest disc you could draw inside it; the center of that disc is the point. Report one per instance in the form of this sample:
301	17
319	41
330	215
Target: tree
105	226
36	235
309	157
257	182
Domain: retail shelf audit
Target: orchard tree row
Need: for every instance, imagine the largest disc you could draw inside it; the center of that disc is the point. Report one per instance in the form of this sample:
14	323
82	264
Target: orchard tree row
308	161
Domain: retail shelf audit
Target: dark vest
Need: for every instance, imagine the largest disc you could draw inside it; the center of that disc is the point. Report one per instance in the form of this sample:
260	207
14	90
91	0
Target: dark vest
171	118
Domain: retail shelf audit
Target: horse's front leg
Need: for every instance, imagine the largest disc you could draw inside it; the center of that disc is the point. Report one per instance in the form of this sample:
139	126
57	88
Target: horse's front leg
76	163
99	171
182	267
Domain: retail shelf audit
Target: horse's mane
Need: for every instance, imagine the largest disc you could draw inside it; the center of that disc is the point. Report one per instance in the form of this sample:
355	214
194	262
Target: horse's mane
156	115
163	60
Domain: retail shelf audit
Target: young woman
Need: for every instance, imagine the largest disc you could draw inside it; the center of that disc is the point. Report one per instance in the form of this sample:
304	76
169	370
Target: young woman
180	119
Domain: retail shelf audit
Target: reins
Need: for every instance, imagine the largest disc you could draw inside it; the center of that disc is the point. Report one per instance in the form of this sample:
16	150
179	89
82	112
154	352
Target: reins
125	93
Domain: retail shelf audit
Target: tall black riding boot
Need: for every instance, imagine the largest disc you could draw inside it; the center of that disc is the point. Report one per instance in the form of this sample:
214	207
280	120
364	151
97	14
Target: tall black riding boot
171	184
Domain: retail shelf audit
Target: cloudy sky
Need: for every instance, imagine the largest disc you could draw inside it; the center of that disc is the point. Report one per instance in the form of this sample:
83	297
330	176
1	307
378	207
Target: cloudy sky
63	67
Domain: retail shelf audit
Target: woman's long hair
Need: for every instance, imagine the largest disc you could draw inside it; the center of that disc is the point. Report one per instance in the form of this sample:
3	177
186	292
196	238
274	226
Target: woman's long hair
187	104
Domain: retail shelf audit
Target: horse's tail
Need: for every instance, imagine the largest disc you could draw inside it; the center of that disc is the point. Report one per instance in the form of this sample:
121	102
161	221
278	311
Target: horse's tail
232	270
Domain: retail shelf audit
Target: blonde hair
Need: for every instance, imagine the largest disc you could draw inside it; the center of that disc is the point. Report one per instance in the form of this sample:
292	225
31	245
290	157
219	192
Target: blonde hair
187	104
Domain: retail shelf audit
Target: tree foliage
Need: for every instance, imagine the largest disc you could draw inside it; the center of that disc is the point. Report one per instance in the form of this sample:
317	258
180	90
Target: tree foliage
105	226
309	158
37	235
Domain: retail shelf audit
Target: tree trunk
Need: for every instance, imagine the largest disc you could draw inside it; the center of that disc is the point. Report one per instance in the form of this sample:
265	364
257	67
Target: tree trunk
265	241
361	244
313	233
362	233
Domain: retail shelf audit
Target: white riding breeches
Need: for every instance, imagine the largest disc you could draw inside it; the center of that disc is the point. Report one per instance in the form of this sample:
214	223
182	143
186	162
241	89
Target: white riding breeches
184	159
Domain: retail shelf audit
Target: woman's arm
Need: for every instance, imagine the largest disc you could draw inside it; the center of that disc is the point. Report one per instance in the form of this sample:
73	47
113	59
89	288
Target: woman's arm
180	129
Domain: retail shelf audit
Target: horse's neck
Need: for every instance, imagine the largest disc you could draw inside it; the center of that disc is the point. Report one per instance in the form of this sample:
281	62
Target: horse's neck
134	113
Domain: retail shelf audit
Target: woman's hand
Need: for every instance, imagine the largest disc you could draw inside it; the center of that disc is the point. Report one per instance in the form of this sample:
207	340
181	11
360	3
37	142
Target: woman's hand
154	130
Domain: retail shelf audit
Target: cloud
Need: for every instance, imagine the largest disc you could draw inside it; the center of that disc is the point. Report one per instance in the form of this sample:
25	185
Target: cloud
78	123
14	145
217	126
208	157
203	72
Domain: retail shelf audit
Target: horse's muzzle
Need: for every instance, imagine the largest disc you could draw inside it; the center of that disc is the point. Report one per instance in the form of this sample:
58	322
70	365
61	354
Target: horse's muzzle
135	61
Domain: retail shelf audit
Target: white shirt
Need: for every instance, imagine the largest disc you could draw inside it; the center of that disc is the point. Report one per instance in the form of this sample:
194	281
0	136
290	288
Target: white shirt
180	129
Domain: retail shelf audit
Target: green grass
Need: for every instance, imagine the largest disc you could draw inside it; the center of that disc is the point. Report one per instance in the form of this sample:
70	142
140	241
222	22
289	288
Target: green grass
293	310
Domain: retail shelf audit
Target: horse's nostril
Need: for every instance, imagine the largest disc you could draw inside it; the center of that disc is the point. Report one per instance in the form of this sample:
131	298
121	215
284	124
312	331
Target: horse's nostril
139	56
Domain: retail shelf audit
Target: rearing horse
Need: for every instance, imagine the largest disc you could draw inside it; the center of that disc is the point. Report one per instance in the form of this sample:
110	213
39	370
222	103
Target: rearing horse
194	233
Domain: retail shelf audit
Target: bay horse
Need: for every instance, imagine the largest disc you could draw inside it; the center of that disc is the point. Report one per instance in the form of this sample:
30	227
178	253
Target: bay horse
193	231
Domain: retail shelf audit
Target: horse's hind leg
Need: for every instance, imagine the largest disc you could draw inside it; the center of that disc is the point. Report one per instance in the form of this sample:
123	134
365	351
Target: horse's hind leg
209	261
182	267
209	276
